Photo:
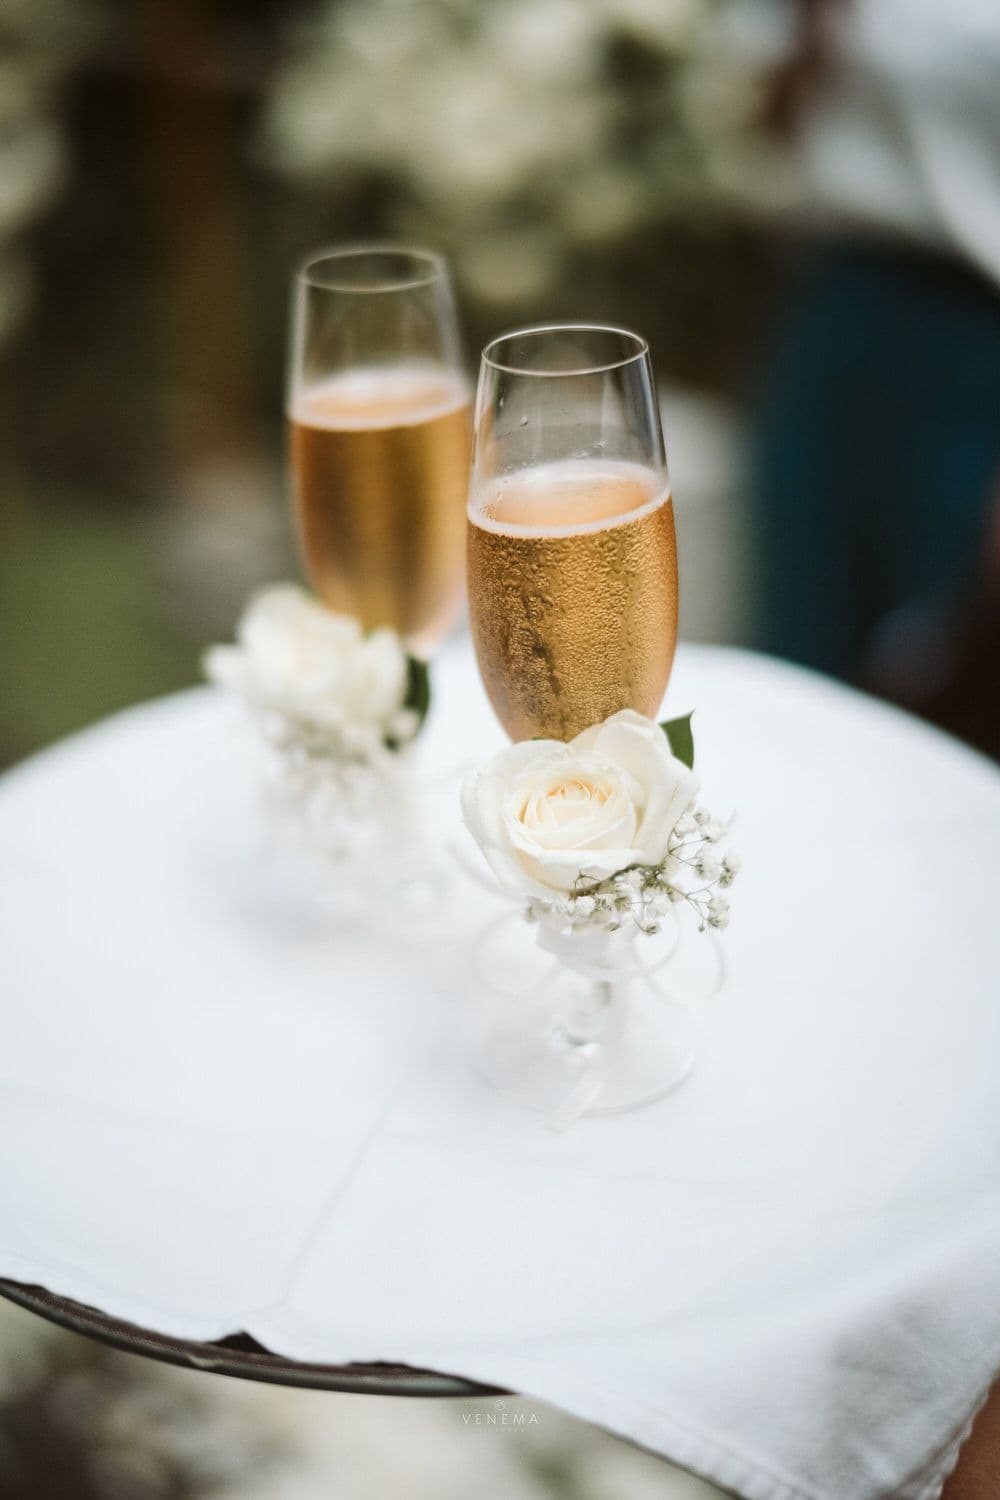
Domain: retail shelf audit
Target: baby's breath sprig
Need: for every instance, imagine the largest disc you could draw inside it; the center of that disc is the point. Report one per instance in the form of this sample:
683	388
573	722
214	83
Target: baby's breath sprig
694	873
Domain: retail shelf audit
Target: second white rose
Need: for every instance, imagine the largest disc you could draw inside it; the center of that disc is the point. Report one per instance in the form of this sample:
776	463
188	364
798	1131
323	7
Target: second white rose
318	670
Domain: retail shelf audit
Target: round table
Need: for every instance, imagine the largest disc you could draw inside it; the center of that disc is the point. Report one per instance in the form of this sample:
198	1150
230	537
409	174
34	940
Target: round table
248	1140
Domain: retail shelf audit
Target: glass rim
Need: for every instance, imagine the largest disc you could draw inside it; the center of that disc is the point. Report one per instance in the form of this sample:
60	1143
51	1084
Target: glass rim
530	330
435	267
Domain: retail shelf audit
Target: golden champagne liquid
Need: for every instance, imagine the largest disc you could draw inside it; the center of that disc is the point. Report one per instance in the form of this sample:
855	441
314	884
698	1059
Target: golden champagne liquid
573	594
380	463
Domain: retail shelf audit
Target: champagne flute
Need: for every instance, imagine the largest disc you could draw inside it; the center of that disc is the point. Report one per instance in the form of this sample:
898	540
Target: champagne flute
573	607
572	556
378	409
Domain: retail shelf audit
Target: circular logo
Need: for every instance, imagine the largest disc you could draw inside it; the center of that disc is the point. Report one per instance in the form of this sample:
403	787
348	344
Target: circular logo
500	1404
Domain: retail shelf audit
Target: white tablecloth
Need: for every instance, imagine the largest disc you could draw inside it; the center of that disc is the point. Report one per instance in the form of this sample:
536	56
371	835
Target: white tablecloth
223	1109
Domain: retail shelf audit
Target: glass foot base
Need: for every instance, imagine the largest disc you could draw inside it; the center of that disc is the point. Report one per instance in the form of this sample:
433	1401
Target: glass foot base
525	1050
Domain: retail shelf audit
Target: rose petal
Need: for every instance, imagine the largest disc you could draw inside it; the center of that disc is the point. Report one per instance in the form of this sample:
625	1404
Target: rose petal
563	869
591	832
641	748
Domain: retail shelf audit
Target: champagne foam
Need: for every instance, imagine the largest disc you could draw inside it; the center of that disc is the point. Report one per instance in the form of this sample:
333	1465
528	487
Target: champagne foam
379	396
573	497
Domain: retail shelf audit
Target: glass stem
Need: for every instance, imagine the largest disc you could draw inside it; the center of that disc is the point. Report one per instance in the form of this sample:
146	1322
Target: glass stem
589	1020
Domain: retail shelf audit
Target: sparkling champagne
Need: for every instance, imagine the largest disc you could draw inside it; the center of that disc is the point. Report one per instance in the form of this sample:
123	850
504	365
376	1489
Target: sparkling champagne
572	594
380	461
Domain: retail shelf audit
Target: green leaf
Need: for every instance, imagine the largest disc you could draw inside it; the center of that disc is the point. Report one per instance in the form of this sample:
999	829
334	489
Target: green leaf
680	738
418	695
418	687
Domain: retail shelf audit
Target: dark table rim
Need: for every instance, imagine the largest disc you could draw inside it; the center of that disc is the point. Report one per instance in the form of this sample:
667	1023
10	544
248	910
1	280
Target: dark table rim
239	1354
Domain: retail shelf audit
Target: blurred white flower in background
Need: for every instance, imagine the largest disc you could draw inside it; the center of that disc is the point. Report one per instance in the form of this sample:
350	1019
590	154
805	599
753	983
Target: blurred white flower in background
522	128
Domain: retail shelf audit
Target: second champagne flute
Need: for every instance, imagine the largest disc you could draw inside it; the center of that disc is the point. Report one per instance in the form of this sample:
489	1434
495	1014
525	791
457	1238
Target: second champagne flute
380	430
572	555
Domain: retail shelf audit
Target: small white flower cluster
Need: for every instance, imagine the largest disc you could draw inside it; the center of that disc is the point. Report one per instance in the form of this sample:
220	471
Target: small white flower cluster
315	750
694	873
338	801
337	789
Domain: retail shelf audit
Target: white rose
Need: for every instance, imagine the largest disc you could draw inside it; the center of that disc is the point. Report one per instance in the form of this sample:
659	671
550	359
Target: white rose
298	659
549	816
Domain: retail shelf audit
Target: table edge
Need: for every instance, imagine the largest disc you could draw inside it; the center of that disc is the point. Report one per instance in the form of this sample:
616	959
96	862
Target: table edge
240	1356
